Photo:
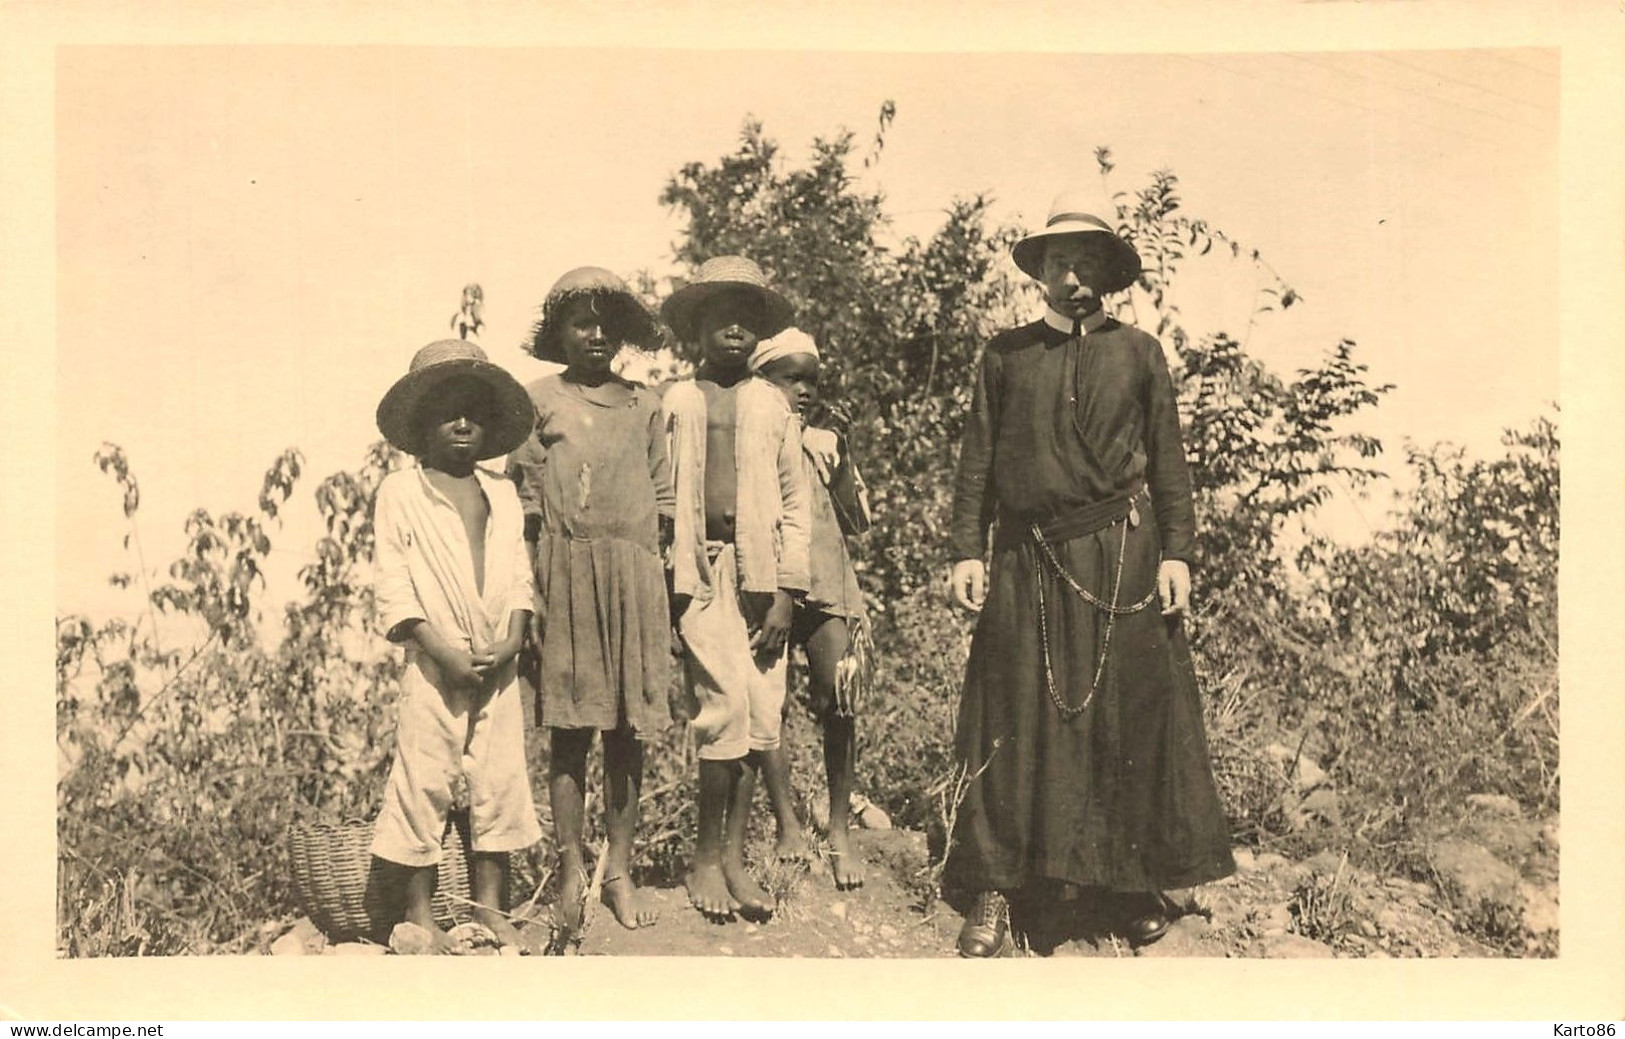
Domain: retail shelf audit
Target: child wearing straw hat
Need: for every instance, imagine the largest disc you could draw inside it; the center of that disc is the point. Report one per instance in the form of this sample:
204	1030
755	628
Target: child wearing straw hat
739	560
1080	724
453	586
596	489
830	622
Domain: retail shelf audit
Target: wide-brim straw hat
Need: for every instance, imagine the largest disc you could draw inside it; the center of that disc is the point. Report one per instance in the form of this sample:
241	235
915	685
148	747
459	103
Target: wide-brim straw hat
512	414
626	319
716	276
1067	216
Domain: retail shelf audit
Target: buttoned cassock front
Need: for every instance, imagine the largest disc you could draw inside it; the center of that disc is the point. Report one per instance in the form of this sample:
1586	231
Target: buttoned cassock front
1117	791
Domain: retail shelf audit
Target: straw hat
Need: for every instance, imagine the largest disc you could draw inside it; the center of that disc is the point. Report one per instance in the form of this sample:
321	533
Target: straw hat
719	275
512	413
1068	216
626	319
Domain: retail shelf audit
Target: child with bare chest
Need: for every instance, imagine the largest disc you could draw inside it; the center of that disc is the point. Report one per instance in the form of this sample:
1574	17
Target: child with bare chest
739	560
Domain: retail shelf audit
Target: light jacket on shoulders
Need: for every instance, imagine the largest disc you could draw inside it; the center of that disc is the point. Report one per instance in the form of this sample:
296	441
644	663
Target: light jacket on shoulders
772	514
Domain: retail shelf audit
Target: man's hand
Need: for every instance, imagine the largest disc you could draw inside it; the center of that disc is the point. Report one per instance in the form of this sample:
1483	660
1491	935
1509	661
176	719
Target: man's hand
968	584
1174	586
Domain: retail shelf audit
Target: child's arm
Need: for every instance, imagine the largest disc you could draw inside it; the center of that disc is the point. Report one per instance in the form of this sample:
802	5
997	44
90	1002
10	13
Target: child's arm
847	492
524	469
521	600
683	417
773	492
665	490
795	537
660	466
393	592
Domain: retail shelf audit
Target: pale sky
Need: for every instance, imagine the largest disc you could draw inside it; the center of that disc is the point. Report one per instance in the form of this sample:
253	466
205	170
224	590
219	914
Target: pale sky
253	241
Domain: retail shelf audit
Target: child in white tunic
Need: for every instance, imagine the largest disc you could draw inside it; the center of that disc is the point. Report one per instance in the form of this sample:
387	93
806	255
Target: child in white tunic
453	583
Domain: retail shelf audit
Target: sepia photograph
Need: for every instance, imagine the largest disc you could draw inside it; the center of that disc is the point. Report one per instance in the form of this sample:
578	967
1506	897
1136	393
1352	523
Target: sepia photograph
815	501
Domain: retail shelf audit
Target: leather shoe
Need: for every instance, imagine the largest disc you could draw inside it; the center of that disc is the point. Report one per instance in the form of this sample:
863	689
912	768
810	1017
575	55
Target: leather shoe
1150	924
987	926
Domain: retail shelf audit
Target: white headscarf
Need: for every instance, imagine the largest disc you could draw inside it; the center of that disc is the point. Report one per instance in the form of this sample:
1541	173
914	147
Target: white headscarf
787	343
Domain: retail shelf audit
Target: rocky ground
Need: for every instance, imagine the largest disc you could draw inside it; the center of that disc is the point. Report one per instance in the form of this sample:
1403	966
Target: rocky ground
1490	890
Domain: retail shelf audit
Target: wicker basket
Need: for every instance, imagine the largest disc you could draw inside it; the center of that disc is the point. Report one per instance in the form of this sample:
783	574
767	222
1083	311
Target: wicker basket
338	882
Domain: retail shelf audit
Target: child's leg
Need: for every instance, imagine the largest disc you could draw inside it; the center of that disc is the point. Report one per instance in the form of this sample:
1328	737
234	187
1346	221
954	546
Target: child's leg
707	886
487	883
623	780
792	844
417	797
825	647
407	894
566	782
752	898
420	885
719	668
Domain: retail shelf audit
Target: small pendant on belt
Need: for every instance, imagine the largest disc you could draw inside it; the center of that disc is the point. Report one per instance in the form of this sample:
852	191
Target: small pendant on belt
1133	514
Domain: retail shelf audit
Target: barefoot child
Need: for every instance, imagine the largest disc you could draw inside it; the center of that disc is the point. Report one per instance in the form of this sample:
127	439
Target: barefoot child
597	495
739	558
1079	720
830	622
454	586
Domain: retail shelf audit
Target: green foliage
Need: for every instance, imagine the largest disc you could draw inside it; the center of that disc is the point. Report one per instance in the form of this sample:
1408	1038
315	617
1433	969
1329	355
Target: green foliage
1446	627
181	776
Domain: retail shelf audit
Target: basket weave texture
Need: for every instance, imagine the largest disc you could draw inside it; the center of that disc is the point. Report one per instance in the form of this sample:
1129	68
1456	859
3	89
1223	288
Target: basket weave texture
338	884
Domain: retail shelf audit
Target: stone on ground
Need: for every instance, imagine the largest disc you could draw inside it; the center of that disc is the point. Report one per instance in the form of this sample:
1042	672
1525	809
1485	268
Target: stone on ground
302	939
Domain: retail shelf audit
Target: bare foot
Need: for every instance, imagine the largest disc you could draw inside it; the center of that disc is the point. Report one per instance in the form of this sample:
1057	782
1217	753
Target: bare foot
424	938
507	934
709	891
572	900
844	860
630	903
792	847
752	898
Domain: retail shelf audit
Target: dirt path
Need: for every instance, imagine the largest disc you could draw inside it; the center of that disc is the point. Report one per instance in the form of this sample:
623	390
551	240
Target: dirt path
879	919
1495	877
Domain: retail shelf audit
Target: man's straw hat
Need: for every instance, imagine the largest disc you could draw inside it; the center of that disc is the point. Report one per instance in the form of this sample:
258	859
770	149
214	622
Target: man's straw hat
1067	216
716	276
512	414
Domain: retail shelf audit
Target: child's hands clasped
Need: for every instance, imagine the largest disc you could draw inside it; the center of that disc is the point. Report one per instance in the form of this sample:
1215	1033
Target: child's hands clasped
496	658
461	669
